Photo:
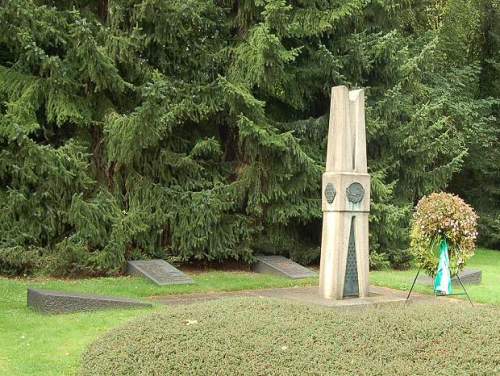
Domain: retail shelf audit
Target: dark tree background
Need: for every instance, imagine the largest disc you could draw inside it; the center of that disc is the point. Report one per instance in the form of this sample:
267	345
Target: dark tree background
196	129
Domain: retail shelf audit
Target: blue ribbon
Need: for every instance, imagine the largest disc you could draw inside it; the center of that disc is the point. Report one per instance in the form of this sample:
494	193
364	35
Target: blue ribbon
442	282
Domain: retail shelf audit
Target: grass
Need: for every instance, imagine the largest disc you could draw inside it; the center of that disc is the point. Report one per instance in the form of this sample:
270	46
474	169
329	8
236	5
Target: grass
488	292
33	344
273	337
134	287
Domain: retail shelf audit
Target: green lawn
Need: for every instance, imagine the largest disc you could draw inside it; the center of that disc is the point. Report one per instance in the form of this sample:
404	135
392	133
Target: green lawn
488	261
34	344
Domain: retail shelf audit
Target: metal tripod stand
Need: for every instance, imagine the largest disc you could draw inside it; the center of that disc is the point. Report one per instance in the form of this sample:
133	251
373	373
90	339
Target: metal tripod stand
437	295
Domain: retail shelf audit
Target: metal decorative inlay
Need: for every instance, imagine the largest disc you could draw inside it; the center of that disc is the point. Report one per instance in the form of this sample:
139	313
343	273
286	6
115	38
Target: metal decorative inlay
330	193
355	193
351	287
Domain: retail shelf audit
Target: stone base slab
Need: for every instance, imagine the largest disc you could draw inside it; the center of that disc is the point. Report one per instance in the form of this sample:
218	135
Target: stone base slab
378	296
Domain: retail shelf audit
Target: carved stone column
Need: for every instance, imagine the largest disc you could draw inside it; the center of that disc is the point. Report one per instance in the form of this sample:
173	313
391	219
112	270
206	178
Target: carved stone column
346	199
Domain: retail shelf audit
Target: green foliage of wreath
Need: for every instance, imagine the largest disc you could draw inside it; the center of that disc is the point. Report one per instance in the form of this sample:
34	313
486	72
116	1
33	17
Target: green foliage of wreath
443	216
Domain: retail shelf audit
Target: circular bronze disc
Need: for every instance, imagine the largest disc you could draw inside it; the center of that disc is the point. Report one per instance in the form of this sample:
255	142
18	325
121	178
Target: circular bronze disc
355	193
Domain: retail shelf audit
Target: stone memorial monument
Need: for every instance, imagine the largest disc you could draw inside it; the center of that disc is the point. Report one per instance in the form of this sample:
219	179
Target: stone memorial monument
345	200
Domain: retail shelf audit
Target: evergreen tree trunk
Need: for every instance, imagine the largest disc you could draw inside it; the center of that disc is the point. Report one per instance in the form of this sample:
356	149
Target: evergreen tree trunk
102	10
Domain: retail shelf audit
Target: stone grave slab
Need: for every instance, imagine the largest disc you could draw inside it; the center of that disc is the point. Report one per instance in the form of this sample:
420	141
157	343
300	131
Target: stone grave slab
468	277
47	301
158	271
281	266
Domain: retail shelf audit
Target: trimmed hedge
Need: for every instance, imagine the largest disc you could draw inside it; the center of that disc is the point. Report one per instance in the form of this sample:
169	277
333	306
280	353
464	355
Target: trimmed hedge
271	337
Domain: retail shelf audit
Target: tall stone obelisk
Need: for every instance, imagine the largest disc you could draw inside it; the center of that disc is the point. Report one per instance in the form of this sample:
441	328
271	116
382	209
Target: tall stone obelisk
346	199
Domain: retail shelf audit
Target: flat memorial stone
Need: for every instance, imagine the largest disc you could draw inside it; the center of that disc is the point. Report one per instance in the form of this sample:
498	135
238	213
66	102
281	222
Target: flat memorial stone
468	277
281	266
158	271
47	301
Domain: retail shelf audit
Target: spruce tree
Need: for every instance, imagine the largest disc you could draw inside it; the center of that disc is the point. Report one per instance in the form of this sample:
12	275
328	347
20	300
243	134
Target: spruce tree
196	130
